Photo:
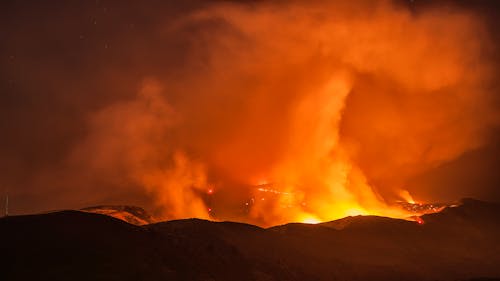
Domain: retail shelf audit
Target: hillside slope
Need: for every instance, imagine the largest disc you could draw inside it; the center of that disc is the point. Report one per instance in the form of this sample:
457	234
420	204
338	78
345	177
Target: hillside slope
460	243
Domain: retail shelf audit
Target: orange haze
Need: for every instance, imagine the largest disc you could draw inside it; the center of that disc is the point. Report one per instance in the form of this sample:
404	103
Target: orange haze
333	105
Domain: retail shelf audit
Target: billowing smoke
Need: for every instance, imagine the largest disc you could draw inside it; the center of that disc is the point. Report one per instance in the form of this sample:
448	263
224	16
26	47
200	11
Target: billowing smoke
330	107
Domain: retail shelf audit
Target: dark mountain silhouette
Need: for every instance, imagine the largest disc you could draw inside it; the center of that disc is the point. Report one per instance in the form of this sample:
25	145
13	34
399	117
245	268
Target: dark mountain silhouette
459	243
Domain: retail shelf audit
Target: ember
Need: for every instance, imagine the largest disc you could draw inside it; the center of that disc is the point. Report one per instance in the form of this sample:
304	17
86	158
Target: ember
421	209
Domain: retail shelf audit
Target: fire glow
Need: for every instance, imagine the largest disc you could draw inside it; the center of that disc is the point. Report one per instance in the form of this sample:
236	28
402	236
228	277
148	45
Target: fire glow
339	110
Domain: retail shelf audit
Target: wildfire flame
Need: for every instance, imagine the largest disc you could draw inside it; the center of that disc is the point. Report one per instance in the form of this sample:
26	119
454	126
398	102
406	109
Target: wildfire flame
405	195
337	106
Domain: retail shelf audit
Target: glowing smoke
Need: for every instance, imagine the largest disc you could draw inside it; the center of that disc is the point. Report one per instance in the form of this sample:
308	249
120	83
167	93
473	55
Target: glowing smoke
338	104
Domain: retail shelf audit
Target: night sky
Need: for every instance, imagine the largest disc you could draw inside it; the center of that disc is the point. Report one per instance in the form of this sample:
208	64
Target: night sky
67	66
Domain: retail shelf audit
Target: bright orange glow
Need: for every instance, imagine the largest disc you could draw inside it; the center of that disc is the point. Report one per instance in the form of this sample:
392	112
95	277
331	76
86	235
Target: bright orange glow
306	122
311	221
405	195
419	220
355	212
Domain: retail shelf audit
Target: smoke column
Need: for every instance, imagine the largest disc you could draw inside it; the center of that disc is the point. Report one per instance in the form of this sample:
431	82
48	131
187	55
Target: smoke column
334	105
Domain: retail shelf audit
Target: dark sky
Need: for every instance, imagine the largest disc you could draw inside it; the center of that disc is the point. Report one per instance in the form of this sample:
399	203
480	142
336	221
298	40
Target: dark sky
63	62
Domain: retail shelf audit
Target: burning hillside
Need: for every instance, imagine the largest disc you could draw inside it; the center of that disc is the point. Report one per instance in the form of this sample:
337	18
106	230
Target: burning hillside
274	195
422	209
338	111
266	140
461	243
130	214
264	112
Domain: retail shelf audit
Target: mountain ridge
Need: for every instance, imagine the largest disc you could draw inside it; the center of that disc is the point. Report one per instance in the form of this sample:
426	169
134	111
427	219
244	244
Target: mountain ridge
458	244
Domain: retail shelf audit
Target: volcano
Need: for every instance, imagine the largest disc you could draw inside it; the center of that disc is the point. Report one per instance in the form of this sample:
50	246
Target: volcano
458	243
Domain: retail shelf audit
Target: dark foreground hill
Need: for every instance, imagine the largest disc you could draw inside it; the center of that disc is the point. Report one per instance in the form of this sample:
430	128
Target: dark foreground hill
460	243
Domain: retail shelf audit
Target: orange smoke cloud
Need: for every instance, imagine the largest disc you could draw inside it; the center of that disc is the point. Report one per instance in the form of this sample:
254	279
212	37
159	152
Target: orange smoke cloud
337	105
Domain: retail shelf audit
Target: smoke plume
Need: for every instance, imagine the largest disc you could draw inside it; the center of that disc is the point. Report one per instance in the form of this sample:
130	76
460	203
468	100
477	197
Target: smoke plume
293	111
